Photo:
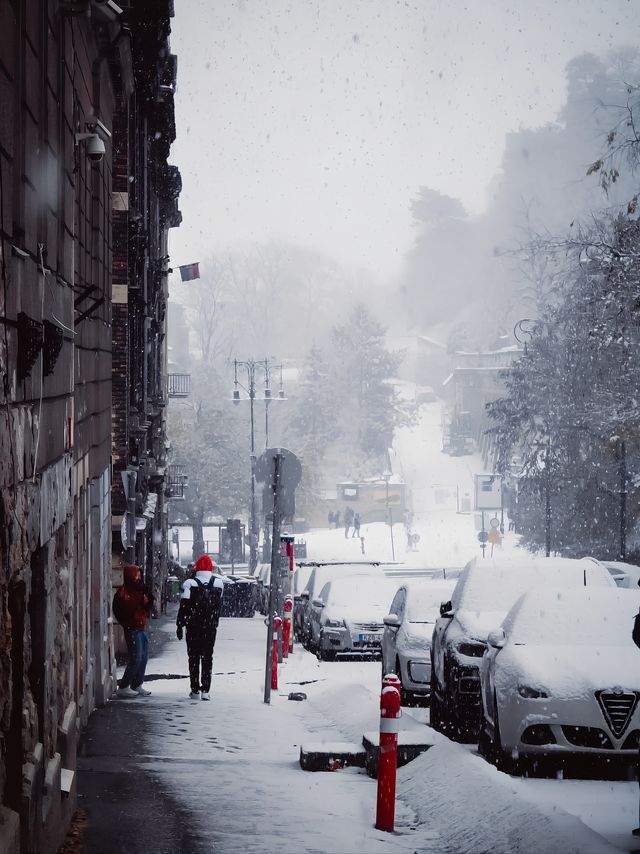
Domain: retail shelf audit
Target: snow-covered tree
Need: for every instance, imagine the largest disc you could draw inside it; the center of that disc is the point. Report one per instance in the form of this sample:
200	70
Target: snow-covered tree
209	442
572	411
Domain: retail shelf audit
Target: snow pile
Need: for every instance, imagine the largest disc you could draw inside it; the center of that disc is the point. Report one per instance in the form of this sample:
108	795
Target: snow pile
473	809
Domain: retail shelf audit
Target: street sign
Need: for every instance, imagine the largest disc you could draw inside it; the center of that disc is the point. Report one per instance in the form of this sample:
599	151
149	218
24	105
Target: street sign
488	491
483	536
494	523
291	472
494	536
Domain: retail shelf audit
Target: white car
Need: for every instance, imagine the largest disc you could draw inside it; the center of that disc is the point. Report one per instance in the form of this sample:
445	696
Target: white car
624	574
348	615
562	676
484	593
318	577
406	640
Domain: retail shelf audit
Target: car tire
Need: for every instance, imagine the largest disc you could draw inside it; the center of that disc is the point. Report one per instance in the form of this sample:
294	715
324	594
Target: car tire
406	697
435	713
326	654
500	758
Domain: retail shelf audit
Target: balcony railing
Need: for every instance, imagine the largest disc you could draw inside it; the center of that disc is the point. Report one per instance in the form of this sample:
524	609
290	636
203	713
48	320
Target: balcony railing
175	482
178	385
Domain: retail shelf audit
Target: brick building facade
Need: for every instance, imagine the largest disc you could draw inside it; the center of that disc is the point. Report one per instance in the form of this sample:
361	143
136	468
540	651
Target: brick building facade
83	250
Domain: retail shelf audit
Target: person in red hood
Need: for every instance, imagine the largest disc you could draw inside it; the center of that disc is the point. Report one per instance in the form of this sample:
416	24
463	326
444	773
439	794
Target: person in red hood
131	606
199	612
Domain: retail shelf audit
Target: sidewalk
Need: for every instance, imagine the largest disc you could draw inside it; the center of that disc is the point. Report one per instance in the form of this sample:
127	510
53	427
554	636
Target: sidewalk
126	810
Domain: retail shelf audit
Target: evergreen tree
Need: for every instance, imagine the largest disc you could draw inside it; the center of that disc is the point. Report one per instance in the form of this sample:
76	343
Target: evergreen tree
571	412
363	369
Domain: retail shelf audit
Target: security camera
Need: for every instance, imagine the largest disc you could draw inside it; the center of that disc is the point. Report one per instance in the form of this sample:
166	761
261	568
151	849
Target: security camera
94	146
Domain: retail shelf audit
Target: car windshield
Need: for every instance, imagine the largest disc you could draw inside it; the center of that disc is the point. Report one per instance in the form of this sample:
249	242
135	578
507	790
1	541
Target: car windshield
362	590
573	618
496	589
423	604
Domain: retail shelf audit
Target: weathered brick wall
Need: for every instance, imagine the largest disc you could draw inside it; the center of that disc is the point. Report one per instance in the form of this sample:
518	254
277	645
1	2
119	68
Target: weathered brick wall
55	244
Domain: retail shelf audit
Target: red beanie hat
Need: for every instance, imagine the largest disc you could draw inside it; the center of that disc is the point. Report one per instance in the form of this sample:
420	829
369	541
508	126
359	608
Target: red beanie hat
204	564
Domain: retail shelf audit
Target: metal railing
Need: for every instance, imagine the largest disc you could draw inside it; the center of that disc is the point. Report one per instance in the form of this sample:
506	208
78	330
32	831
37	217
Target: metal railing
175	482
178	385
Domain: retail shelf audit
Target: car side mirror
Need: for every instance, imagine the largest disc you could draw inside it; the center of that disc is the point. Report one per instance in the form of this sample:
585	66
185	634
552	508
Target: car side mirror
446	609
318	603
392	620
305	595
497	638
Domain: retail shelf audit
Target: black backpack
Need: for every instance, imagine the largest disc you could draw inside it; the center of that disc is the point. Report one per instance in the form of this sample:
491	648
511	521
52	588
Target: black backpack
205	605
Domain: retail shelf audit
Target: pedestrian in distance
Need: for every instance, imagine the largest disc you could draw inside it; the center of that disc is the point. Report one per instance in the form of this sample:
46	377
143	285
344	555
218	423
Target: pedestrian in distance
336	519
131	607
356	526
199	613
348	520
330	518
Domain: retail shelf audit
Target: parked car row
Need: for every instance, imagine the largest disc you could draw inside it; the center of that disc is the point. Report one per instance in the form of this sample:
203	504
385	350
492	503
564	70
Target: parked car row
483	595
535	657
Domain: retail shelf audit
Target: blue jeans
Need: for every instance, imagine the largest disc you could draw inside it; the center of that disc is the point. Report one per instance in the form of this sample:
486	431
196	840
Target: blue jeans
138	648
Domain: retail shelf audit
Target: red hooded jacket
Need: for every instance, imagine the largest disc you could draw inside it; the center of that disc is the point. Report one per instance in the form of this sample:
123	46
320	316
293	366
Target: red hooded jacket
131	603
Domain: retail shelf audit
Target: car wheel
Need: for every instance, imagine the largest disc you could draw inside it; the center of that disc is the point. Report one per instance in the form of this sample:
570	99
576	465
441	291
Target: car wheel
406	698
435	713
485	743
326	654
500	758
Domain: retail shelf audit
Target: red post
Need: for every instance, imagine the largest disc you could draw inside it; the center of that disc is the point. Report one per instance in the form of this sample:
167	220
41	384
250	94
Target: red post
391	679
277	622
388	757
287	632
286	626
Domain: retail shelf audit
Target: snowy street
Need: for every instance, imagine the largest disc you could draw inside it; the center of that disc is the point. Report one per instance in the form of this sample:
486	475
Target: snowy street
231	768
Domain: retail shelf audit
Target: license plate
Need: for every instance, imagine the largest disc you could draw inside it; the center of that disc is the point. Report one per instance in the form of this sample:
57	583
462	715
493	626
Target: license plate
369	638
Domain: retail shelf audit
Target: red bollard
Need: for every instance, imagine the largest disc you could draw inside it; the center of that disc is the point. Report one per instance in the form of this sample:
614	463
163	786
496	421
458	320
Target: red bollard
277	622
286	627
388	757
391	679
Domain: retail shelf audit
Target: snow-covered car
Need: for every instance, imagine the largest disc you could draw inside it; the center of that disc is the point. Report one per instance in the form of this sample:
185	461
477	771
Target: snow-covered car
483	594
625	575
406	639
348	614
318	577
561	675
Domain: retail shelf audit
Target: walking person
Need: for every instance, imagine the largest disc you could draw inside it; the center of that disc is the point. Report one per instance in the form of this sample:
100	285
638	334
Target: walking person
356	526
131	606
348	520
199	612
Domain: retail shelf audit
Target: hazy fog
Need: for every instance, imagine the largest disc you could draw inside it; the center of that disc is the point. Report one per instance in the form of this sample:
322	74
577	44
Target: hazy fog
318	122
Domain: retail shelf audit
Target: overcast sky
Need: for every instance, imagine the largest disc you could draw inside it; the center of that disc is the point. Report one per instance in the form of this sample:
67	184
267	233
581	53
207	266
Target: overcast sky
315	121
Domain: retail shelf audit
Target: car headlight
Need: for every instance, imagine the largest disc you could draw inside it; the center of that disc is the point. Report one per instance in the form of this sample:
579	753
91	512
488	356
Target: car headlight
528	692
471	648
334	624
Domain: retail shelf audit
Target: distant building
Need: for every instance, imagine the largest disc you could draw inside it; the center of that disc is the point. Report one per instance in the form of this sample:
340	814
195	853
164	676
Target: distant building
475	380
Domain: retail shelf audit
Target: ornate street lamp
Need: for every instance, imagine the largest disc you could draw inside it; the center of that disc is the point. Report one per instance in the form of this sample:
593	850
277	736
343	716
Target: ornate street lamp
251	366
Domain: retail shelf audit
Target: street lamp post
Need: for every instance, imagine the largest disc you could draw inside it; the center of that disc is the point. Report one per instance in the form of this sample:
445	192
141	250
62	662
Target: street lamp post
251	365
386	476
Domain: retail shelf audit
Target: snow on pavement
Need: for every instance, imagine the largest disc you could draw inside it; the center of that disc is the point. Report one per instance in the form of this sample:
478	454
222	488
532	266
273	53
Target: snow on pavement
233	765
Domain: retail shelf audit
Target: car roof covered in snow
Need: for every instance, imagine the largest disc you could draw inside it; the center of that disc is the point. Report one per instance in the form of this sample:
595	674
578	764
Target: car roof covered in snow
579	616
494	585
